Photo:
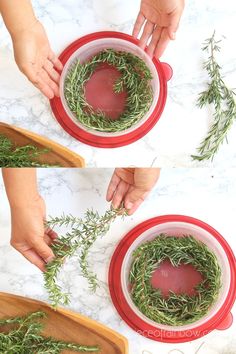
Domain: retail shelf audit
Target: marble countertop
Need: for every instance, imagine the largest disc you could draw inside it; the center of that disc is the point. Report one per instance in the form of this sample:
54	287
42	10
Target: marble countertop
181	127
206	194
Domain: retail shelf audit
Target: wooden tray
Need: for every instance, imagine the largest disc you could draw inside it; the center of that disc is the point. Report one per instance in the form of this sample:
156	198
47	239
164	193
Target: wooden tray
58	154
66	325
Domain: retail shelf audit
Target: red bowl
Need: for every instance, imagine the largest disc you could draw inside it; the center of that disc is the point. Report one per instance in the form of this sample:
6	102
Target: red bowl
164	73
219	316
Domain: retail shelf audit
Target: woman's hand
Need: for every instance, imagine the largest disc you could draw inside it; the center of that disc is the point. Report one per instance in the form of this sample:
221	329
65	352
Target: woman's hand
29	235
161	20
131	186
36	59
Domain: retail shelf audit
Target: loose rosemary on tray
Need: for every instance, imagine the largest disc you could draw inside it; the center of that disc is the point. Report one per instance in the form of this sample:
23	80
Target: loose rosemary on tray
223	100
135	79
175	309
82	235
24	156
23	335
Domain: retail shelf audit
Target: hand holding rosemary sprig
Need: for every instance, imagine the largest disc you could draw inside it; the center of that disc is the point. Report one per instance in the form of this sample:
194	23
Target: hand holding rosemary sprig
82	235
223	100
128	188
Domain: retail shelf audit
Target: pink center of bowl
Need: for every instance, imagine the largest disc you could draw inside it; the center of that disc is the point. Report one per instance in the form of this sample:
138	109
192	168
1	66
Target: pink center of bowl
181	280
99	92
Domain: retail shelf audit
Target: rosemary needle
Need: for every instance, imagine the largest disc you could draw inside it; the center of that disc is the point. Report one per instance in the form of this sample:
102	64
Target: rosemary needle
135	79
223	100
24	337
81	236
175	309
25	156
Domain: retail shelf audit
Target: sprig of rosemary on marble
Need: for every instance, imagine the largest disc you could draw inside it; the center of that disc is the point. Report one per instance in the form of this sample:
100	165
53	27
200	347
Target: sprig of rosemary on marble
80	238
223	100
24	156
176	309
23	335
135	79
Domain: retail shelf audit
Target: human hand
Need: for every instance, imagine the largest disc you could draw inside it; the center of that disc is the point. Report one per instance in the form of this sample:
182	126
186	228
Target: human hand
36	59
131	186
161	20
29	235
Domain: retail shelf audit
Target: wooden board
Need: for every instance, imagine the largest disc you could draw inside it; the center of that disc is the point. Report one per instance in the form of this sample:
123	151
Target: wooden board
66	325
58	154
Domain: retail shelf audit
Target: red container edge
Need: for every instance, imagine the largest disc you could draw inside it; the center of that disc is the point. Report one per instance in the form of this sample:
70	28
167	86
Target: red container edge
221	320
164	71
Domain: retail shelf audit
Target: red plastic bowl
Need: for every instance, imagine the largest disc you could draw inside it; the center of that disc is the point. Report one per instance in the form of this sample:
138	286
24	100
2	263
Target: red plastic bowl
219	316
91	137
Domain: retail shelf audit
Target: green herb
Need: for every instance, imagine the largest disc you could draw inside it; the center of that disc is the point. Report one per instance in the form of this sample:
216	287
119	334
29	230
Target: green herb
25	156
223	100
82	235
135	79
176	309
25	337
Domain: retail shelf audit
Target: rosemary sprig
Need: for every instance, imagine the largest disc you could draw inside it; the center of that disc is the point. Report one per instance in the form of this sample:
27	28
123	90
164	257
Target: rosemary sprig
223	100
81	237
176	309
25	156
24	337
135	79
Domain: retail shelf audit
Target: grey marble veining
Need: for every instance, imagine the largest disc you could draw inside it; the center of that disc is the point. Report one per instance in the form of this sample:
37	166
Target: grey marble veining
181	127
207	194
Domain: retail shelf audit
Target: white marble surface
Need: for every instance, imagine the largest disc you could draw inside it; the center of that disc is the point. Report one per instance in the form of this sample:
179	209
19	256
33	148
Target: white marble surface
182	126
206	194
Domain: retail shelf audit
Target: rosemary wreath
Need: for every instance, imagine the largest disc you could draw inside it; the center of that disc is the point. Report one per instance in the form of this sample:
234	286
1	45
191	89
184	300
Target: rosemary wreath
24	156
22	335
81	236
176	309
135	79
223	100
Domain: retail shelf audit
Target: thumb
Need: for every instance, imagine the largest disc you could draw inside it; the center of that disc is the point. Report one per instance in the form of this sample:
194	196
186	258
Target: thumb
43	250
135	197
174	25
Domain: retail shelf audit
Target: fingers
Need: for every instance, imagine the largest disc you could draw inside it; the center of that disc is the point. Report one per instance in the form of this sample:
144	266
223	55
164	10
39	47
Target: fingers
44	88
144	181
51	233
34	258
134	208
42	250
174	24
138	24
46	79
147	32
131	186
39	252
120	193
162	43
161	32
115	180
40	80
134	199
55	61
53	74
49	82
153	44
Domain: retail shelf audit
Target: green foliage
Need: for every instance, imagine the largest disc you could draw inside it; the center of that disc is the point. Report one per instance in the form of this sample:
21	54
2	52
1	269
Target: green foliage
135	79
25	156
175	309
80	238
22	335
223	100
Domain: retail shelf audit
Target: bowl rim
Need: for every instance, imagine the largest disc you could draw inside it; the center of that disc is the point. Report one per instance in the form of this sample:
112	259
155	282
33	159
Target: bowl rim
132	319
91	138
